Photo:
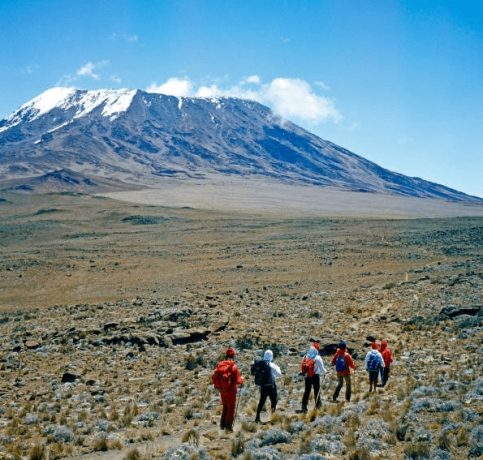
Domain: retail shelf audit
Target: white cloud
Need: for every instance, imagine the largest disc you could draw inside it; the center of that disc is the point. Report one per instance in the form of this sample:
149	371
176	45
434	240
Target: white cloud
291	98
87	70
131	38
255	79
30	69
173	87
115	79
90	69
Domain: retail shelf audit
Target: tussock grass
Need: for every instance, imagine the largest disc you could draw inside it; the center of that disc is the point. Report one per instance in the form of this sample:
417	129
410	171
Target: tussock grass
192	437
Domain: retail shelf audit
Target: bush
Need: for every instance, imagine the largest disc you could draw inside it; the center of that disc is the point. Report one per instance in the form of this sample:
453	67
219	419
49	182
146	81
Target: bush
361	453
37	452
133	454
191	437
274	436
238	444
416	450
193	361
145	220
100	444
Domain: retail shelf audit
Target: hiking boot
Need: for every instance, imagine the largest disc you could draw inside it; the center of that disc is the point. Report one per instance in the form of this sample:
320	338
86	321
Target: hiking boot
257	420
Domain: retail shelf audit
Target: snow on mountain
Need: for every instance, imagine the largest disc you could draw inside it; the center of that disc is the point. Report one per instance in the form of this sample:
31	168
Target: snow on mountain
84	102
140	138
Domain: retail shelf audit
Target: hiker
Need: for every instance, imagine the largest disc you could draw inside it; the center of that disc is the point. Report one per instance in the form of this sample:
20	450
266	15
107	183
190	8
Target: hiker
387	357
312	368
374	363
266	372
343	363
226	378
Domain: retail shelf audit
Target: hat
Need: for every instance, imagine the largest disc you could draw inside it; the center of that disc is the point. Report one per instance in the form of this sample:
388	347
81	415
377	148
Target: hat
312	353
374	346
342	344
230	352
268	356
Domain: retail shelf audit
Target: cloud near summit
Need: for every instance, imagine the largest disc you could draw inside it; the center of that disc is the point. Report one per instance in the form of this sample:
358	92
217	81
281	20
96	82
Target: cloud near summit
289	97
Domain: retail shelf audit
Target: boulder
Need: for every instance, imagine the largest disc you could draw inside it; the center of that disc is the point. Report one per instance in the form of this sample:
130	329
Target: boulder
183	336
32	344
110	325
69	377
219	325
453	311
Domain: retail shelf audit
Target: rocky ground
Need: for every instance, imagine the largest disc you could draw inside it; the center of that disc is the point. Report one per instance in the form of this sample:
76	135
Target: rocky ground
114	316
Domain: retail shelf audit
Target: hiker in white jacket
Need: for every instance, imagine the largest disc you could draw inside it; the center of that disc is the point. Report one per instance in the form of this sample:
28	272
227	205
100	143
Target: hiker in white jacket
269	389
312	368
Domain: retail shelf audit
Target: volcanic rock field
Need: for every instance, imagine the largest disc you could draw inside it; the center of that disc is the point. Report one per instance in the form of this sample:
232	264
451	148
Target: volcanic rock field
113	316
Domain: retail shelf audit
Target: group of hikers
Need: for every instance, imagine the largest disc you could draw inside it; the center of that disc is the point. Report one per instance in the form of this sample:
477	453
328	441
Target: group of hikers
226	377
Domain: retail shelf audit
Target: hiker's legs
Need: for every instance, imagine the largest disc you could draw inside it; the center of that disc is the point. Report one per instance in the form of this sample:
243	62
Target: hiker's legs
317	390
385	376
223	417
228	415
348	387
263	397
340	382
272	393
373	380
308	387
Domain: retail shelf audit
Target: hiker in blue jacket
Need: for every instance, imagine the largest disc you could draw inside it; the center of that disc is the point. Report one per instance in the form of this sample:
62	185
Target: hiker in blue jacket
374	363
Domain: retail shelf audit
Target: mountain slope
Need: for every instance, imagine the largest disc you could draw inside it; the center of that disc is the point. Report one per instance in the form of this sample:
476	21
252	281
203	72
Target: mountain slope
138	138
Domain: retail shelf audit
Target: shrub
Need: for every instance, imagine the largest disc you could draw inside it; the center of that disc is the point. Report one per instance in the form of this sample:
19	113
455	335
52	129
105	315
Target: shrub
238	444
417	450
274	436
100	444
133	454
37	452
361	453
192	437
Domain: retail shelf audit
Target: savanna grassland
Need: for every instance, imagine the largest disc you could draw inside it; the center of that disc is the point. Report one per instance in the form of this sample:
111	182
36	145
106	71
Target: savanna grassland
113	316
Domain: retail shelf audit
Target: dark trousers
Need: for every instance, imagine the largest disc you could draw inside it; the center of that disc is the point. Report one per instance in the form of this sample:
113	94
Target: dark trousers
373	376
341	378
384	375
267	391
311	382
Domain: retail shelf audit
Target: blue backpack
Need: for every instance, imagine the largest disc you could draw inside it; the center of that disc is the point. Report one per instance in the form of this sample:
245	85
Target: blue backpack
374	362
340	364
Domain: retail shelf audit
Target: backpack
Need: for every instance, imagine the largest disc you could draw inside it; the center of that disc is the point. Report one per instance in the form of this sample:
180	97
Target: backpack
223	376
340	364
308	367
263	373
373	362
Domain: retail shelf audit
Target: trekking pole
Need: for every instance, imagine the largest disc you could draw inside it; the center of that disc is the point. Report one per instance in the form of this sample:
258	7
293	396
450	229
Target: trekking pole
355	386
317	396
236	407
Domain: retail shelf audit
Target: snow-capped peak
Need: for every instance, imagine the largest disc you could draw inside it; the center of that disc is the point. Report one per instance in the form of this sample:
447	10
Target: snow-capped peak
113	101
48	100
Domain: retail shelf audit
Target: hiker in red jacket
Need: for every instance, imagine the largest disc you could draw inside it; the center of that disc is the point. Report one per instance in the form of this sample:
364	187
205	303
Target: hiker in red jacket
226	378
343	363
387	357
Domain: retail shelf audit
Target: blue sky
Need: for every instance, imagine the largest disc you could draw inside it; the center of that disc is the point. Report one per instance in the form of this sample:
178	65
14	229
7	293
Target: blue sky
398	82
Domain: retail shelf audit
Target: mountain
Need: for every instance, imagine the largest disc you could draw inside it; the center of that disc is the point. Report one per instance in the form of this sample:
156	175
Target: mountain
130	138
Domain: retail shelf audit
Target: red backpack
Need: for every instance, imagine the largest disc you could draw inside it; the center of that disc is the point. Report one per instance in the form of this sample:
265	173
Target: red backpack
308	367
223	377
